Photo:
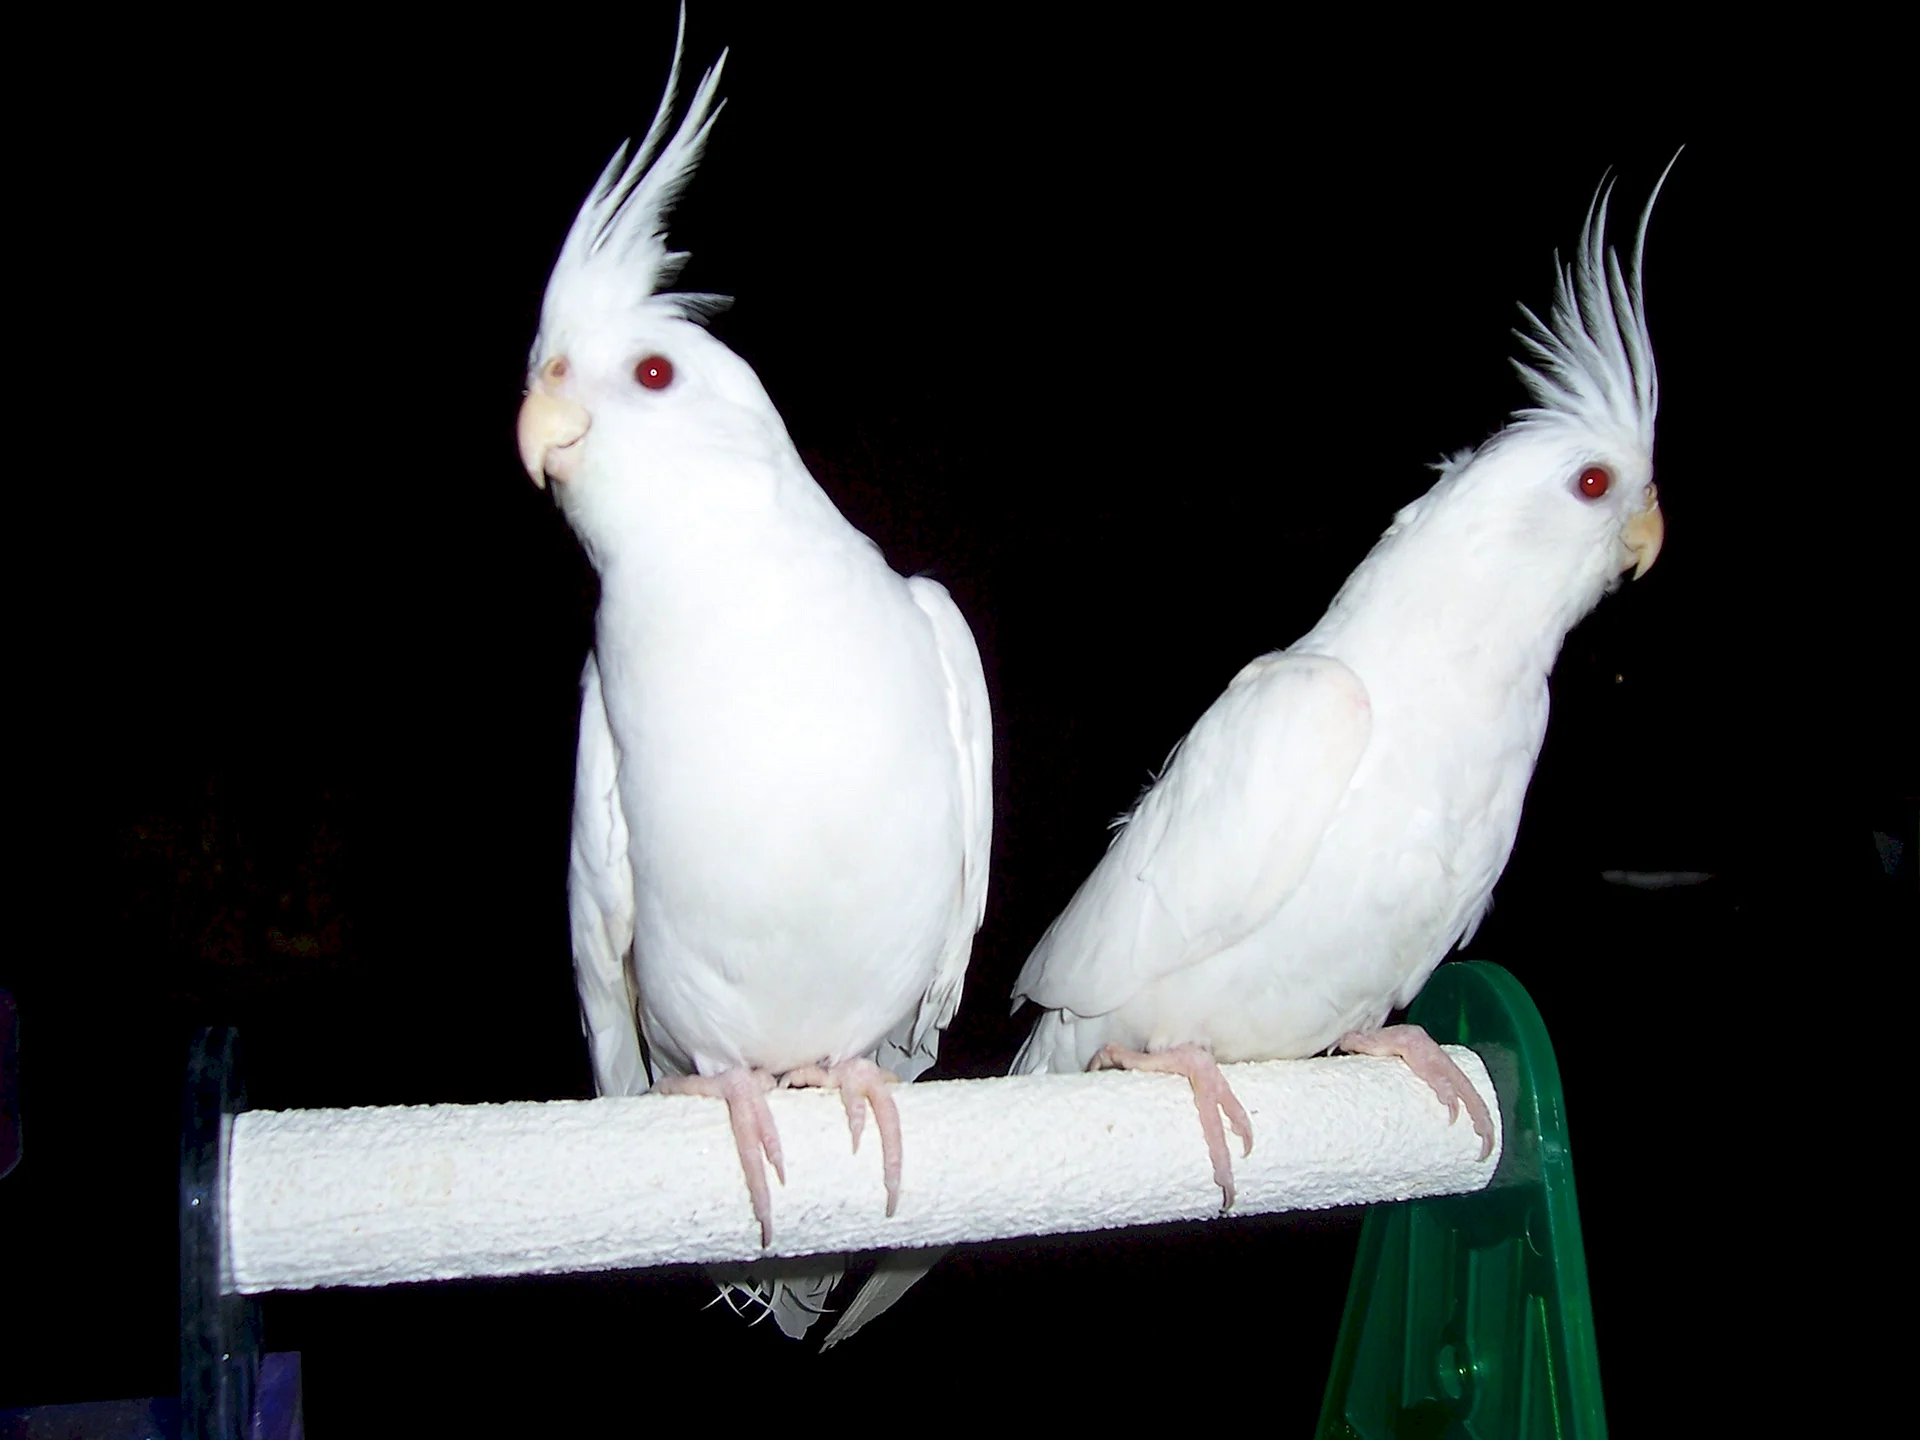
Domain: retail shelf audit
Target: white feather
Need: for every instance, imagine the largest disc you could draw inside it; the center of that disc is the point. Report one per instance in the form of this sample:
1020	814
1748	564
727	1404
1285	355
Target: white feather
615	257
1336	821
783	802
1592	367
600	903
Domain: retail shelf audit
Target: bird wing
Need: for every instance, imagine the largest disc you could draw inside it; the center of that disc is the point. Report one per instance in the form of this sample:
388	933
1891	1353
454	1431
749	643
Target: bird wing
911	1047
600	902
1219	842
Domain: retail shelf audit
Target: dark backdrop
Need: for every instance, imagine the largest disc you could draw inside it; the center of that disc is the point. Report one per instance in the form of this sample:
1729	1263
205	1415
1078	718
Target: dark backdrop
1134	338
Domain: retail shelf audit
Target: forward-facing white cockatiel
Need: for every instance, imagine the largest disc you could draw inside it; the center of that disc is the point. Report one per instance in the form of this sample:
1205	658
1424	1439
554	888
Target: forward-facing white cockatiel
1334	823
782	800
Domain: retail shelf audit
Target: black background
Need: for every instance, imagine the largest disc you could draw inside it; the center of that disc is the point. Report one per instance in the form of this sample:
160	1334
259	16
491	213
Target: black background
1134	337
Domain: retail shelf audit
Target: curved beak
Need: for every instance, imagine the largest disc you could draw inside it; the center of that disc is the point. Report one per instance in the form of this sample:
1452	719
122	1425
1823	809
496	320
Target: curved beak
550	428
1644	533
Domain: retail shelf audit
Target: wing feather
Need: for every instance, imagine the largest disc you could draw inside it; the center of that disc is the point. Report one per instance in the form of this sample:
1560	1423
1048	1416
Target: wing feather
1219	842
600	902
912	1047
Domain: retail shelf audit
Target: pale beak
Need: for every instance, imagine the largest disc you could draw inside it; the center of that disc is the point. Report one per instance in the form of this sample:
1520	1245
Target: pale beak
550	429
1644	532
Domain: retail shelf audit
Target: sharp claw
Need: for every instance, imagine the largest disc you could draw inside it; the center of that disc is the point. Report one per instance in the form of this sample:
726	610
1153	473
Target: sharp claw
862	1083
769	1137
888	1119
1212	1096
1427	1060
856	1104
754	1134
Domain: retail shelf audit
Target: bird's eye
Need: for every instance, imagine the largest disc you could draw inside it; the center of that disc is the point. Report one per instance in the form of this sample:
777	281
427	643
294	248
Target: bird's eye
554	369
1593	481
655	372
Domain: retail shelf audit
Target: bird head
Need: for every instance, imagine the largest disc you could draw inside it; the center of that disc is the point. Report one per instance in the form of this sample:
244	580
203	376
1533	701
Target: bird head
1589	433
623	378
1559	506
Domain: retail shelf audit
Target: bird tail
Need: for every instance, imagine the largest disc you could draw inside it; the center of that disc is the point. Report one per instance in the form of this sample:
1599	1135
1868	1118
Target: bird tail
1052	1045
898	1272
794	1300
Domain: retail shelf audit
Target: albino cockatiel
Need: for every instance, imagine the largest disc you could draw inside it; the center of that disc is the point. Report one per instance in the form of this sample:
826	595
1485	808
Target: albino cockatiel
1334	823
782	800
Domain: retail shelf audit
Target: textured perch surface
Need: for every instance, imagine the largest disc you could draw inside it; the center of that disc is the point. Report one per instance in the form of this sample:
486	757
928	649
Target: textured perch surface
389	1195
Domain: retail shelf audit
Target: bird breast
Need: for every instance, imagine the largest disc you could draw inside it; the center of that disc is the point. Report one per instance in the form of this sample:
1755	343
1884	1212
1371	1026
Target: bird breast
792	796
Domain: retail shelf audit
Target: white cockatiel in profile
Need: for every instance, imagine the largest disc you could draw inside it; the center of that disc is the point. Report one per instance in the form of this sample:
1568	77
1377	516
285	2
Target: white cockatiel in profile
1334	823
782	801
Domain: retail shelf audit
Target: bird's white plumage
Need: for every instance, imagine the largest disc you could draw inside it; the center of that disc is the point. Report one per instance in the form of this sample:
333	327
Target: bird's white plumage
1336	821
797	804
911	1048
615	259
1590	364
600	903
783	798
1300	724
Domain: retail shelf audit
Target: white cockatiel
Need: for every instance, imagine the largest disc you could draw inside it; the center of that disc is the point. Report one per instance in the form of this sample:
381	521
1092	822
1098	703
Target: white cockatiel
782	802
1334	823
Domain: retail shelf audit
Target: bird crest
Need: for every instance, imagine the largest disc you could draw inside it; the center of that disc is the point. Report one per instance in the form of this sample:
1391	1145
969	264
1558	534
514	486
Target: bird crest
616	258
1591	362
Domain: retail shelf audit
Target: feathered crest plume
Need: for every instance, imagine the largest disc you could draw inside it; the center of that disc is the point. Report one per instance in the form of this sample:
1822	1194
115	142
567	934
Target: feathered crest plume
1593	362
615	257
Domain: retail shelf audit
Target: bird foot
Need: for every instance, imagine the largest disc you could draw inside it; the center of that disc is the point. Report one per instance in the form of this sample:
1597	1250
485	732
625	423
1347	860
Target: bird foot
862	1083
1211	1094
745	1092
1432	1064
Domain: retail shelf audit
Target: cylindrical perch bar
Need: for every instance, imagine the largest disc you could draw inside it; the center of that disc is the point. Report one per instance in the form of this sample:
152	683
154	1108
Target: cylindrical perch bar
384	1196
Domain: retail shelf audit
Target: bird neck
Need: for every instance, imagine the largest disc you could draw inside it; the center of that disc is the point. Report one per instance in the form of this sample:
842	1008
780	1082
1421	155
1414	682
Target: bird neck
1440	597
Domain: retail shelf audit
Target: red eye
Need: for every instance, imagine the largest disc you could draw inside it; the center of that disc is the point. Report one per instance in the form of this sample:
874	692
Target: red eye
655	372
1594	481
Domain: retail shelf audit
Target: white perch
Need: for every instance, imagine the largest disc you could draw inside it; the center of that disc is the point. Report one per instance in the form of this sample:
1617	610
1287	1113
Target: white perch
435	1192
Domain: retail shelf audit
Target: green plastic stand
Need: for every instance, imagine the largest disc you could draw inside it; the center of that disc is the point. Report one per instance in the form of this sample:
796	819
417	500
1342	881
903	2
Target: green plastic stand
1468	1317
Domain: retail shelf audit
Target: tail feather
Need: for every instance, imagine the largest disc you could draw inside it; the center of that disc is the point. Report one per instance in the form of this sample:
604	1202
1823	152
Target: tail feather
1052	1045
1049	1046
795	1299
898	1272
